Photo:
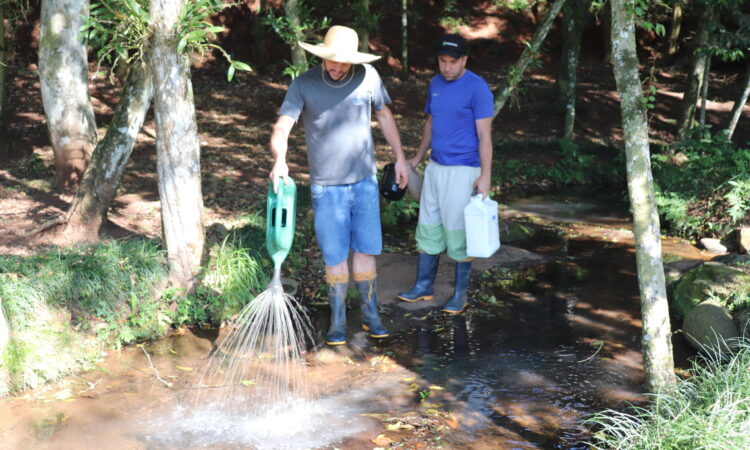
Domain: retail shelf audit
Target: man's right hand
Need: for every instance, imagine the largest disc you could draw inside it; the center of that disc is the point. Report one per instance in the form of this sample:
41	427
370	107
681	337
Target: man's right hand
279	170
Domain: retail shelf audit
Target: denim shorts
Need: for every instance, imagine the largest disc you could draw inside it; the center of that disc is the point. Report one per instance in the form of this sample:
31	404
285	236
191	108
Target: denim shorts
347	216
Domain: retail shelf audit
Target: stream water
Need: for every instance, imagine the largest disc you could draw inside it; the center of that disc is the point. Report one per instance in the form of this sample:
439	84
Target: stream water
521	369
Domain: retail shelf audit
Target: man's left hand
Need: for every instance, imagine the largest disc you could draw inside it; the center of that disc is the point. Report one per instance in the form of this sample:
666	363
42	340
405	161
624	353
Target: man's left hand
482	185
402	174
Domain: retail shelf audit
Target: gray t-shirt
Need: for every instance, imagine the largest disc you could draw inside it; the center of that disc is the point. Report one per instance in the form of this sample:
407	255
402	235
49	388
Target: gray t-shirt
338	134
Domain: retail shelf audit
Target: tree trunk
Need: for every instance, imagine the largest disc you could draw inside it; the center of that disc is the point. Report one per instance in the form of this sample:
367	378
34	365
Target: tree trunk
704	91
739	104
63	75
364	31
4	336
291	9
575	15
405	38
4	139
657	347
177	149
88	211
260	55
695	77
516	72
674	34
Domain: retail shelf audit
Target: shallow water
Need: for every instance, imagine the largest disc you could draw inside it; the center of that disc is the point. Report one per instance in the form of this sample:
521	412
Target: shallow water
558	345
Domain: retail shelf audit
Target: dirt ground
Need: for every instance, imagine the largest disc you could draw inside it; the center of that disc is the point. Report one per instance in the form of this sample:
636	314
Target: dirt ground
234	121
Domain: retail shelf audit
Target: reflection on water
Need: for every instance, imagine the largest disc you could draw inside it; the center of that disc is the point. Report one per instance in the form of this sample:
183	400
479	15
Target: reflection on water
575	207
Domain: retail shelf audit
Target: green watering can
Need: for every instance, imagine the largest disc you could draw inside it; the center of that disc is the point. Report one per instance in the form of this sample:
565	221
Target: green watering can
280	212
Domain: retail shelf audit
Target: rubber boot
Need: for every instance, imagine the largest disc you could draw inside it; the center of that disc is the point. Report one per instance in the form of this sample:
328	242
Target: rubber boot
457	303
337	301
370	316
427	266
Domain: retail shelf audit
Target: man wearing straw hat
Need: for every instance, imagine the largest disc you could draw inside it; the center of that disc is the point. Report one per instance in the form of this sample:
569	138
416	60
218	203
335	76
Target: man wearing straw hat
335	99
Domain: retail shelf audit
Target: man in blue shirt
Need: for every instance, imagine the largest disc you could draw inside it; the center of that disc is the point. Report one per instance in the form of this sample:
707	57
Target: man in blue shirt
459	131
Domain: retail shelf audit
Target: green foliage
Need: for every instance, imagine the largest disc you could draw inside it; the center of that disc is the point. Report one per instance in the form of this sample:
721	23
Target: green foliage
710	409
234	276
292	33
706	193
65	305
516	5
112	283
573	166
398	212
121	31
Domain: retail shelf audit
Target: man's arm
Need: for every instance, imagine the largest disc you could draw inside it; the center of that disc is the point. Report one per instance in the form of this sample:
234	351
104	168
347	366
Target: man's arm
390	131
279	143
424	144
484	131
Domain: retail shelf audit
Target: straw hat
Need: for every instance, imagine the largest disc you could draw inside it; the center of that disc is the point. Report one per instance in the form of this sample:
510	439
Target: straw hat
340	45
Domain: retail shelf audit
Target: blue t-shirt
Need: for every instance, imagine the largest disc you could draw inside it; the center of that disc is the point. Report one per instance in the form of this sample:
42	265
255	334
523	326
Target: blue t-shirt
455	107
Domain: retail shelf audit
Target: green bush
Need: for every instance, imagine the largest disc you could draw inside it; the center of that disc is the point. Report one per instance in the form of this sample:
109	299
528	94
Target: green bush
709	410
706	193
65	305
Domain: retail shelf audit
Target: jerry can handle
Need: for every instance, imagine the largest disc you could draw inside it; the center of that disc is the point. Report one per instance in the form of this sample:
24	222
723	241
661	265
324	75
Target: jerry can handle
279	211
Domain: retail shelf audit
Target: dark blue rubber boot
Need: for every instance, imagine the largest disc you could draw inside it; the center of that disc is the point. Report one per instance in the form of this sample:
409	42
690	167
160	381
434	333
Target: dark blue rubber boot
337	301
457	303
427	266
370	316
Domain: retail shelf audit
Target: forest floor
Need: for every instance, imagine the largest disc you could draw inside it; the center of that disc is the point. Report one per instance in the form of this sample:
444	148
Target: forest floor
235	119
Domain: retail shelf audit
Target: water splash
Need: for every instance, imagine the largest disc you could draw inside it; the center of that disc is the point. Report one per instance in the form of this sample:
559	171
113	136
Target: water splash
260	362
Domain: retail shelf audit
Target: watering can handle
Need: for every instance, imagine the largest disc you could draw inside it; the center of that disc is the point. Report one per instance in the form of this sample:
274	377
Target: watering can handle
279	210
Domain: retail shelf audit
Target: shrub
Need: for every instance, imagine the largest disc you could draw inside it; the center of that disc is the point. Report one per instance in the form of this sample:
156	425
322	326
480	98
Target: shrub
711	409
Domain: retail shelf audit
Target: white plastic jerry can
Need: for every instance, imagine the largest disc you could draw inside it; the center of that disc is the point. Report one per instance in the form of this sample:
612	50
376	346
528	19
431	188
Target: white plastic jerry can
482	227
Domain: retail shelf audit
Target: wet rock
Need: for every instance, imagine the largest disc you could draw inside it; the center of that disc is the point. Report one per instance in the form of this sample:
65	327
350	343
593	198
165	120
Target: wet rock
676	269
734	260
515	232
712	245
709	326
711	279
743	239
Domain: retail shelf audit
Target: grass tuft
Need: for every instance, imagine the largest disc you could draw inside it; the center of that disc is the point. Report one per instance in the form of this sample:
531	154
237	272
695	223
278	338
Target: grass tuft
709	410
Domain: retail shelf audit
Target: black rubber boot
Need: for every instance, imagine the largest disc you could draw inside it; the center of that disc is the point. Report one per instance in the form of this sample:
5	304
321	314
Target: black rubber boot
427	266
457	303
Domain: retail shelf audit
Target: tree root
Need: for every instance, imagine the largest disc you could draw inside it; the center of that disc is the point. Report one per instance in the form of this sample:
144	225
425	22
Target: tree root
43	227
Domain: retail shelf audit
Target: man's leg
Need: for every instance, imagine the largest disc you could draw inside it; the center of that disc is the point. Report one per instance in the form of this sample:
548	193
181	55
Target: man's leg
364	273
332	225
337	278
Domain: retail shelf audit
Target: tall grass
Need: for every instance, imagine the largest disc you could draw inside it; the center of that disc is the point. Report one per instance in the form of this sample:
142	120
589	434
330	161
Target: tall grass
64	305
709	410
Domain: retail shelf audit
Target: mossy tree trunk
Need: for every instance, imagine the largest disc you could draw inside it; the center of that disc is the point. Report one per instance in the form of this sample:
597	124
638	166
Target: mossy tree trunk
405	38
177	149
364	30
695	76
63	73
4	140
259	35
674	33
658	362
291	9
575	14
739	104
88	210
4	330
704	91
516	72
